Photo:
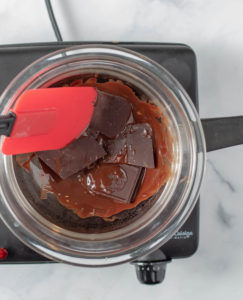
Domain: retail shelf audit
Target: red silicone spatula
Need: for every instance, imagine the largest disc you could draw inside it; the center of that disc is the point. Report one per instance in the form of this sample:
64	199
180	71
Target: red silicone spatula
46	119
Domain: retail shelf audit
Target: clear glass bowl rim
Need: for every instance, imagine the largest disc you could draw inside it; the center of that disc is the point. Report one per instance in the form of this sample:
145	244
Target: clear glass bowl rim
18	84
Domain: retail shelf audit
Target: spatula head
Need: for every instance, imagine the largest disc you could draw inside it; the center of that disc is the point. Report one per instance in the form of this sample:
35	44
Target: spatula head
50	118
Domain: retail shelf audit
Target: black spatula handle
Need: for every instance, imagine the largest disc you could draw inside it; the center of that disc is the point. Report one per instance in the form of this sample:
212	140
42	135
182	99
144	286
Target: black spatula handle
6	123
223	132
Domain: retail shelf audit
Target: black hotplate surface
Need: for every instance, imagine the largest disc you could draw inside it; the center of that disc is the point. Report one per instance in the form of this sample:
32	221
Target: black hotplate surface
178	59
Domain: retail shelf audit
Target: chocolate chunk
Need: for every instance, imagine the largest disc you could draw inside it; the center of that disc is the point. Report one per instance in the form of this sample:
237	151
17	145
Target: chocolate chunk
118	182
110	115
75	157
134	146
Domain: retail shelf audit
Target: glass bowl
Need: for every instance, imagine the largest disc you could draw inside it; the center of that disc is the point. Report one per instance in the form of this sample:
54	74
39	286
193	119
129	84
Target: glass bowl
174	201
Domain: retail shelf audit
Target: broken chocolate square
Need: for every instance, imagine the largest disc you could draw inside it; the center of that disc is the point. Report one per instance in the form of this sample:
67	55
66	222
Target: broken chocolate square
116	181
134	146
73	158
110	115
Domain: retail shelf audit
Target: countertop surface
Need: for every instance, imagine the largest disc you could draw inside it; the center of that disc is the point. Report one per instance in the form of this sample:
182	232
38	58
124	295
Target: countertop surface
214	29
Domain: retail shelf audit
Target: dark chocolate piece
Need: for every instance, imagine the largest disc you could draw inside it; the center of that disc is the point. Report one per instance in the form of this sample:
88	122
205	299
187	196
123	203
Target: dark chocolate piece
110	115
73	158
118	182
134	146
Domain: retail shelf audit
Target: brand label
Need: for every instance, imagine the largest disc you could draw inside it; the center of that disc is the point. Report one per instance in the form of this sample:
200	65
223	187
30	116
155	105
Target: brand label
183	235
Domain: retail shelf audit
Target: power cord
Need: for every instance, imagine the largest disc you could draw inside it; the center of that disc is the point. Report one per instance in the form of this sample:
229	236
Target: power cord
53	21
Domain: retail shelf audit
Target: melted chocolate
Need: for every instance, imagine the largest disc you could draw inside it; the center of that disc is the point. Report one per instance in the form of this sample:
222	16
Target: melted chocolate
144	113
118	182
23	160
75	194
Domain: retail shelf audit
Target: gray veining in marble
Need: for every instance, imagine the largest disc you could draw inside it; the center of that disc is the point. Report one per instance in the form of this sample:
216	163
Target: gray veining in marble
214	29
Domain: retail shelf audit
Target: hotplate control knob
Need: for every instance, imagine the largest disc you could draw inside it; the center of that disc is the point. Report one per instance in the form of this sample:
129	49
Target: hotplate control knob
150	272
3	253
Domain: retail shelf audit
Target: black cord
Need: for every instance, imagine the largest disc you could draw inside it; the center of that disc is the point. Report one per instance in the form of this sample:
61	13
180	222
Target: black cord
53	20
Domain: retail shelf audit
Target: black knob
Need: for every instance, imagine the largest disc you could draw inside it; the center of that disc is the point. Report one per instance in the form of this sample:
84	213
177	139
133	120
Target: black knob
150	272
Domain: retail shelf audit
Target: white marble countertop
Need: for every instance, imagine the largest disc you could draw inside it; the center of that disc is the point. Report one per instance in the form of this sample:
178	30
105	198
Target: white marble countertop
214	29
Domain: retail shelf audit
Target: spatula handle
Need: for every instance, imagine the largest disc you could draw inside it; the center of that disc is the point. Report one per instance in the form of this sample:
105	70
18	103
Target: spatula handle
223	132
6	123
